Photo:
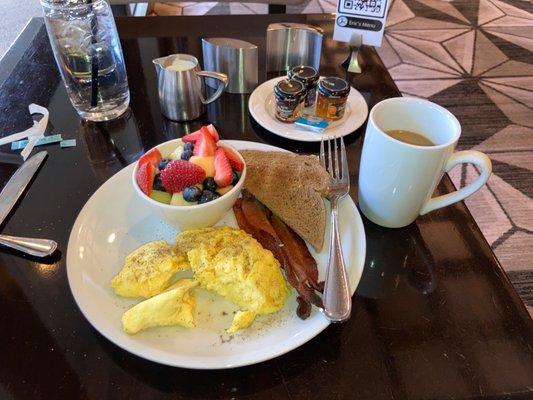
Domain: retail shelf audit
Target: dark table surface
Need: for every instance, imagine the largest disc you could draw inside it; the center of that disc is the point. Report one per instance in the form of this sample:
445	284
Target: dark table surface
434	316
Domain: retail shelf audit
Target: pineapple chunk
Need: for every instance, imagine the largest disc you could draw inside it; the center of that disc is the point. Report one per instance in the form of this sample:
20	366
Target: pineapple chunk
178	200
224	190
176	154
207	163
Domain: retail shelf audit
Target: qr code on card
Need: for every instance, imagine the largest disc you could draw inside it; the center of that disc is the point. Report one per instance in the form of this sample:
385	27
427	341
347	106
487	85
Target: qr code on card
366	8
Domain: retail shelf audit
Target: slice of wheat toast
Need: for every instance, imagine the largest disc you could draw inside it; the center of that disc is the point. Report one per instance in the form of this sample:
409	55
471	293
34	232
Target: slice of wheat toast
292	186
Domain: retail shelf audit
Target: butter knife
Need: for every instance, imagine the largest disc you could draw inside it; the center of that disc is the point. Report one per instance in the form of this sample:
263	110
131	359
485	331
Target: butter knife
8	198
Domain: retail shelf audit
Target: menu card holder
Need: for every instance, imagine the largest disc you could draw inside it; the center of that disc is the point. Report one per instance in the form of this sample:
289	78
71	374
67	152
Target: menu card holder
352	61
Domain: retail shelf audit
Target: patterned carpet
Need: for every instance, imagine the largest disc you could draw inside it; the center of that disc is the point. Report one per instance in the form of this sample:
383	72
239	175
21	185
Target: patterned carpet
473	57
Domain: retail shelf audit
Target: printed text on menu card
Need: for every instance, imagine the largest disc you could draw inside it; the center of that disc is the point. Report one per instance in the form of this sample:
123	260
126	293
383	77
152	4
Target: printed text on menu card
363	17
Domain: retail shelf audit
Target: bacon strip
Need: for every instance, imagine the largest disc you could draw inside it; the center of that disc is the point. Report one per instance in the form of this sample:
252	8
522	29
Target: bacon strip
289	249
256	215
302	260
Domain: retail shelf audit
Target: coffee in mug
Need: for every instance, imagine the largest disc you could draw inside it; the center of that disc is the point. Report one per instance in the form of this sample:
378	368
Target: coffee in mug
409	145
409	137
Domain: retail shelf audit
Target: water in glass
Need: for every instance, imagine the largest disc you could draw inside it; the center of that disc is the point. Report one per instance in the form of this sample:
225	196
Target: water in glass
84	38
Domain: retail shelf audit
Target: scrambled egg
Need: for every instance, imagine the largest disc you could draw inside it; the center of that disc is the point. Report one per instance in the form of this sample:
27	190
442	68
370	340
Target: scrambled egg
241	320
233	264
175	306
224	260
147	271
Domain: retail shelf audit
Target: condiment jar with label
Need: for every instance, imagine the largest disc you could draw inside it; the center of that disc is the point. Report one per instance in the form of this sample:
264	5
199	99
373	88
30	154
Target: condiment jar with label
289	95
331	98
309	77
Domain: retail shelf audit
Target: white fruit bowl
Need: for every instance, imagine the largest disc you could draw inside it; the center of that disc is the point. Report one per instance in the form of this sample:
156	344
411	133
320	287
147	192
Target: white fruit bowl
193	216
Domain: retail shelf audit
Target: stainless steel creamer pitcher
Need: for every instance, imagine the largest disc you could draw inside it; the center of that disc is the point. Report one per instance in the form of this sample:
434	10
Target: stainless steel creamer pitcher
181	90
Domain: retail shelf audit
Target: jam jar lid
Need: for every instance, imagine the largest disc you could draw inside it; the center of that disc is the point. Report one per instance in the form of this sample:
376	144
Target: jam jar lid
305	74
333	87
289	89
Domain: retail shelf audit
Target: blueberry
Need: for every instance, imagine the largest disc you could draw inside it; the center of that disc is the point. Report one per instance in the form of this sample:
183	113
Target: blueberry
158	185
163	163
210	184
234	178
207	196
188	146
192	193
186	155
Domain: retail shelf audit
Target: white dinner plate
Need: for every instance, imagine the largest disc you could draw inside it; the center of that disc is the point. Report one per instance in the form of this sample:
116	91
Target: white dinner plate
262	106
114	221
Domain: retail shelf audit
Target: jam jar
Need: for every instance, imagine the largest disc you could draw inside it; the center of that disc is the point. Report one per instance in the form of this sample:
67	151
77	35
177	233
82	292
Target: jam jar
331	98
309	77
289	96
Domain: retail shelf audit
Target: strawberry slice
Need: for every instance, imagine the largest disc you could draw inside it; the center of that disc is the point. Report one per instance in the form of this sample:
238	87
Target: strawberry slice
213	132
145	177
234	159
223	171
194	136
205	146
179	174
152	157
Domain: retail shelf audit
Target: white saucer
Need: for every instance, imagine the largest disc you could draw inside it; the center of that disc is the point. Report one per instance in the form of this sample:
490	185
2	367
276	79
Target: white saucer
114	221
262	107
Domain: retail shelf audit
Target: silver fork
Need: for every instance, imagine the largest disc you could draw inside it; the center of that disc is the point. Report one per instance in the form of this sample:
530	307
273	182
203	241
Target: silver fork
337	299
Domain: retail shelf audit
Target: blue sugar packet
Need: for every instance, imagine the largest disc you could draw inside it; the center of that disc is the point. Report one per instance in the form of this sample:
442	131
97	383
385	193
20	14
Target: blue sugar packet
67	143
312	123
20	144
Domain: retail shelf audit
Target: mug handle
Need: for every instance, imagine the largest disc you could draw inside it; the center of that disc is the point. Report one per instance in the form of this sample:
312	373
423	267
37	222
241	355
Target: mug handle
468	156
221	87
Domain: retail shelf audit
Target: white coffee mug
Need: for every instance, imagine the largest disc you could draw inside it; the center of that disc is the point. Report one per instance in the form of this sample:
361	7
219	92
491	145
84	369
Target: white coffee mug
397	179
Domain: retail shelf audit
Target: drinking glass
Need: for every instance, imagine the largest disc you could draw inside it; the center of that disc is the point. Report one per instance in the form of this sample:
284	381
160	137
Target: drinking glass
87	50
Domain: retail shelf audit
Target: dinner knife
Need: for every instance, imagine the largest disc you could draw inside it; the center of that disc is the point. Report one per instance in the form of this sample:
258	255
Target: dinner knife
9	196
